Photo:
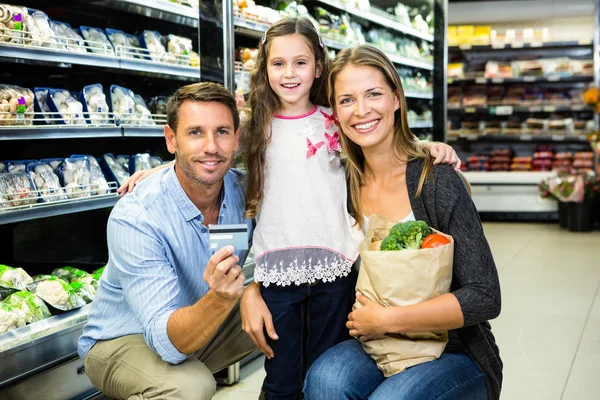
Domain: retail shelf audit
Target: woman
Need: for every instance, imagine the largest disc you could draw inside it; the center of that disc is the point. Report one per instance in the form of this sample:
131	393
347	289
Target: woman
389	175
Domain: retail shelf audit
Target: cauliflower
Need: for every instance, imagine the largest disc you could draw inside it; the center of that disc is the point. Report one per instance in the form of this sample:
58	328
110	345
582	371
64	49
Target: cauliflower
32	306
10	318
54	293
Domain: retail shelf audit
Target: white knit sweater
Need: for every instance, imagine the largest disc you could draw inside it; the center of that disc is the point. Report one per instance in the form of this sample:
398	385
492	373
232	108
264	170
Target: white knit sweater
304	232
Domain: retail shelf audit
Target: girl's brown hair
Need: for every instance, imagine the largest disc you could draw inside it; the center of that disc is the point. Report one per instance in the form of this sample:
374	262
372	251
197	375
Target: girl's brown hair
405	143
264	103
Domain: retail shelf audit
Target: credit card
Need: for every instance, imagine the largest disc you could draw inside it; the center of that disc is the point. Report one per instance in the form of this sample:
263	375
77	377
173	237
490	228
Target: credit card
235	235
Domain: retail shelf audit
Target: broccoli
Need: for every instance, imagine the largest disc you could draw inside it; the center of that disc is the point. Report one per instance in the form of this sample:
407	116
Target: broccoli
395	231
412	233
390	243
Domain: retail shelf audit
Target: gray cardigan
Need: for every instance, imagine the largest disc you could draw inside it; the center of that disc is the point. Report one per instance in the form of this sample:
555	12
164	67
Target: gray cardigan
446	206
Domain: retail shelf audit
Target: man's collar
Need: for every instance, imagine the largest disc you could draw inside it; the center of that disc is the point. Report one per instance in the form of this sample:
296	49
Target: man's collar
185	204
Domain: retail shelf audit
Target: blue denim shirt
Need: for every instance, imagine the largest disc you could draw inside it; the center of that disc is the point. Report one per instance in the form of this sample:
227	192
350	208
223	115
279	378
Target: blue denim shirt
158	250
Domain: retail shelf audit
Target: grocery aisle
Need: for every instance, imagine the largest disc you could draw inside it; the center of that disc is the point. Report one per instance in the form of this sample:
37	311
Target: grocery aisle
549	330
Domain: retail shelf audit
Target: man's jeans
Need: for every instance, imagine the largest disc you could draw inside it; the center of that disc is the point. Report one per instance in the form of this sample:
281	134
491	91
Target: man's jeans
347	372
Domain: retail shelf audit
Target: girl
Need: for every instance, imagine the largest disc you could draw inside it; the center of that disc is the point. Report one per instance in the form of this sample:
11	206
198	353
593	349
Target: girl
390	176
305	242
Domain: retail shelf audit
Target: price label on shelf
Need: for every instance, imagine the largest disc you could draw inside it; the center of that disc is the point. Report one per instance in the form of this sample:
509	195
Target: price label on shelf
498	80
472	136
498	45
517	45
529	79
465	47
578	107
584	42
40	326
526	137
535	109
537	44
470	110
558	138
481	80
504	110
553	78
450	81
549	109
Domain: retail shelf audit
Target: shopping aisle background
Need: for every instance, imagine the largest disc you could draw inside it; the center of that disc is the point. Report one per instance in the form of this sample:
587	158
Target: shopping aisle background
549	329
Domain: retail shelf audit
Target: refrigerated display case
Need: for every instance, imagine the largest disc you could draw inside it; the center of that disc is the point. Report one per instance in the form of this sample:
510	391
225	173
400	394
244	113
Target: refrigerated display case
40	360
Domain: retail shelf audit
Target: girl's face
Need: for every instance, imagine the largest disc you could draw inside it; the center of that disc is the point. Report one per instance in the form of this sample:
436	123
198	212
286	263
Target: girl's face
365	106
292	69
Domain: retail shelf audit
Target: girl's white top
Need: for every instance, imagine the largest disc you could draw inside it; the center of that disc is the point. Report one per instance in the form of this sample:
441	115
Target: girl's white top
304	232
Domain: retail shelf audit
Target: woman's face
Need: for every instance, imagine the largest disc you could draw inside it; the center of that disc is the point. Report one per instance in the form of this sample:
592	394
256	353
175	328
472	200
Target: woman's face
365	106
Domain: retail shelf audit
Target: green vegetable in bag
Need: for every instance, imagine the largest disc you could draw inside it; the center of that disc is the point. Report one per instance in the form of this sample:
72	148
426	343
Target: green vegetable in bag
10	318
99	271
12	280
83	290
69	274
56	292
34	308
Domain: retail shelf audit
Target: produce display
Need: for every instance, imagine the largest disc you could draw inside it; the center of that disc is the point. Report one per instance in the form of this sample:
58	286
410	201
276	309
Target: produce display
46	182
98	183
180	46
114	170
122	103
483	35
67	39
70	111
16	105
74	174
31	305
57	293
97	41
12	280
125	44
94	101
16	190
142	113
152	41
11	318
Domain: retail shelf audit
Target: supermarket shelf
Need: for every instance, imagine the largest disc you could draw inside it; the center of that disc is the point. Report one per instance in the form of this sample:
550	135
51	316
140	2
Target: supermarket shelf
379	17
160	69
417	95
533	45
398	59
420	124
525	79
44	210
159	9
506	178
509	110
141	131
520	138
58	132
18	53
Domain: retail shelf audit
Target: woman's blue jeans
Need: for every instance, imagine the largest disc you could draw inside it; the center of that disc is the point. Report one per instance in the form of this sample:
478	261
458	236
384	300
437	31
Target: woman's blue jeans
346	371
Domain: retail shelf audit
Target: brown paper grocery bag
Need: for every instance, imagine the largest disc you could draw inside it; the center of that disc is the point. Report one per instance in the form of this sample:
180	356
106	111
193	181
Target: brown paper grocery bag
402	278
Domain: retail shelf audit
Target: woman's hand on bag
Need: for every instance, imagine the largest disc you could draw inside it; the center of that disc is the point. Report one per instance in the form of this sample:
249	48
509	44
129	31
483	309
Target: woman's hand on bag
444	154
256	317
367	322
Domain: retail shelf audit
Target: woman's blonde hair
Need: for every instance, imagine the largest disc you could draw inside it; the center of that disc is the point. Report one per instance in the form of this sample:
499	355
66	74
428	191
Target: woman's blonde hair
405	143
264	103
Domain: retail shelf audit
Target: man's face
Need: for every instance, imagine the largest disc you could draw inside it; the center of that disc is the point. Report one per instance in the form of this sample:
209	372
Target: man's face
205	142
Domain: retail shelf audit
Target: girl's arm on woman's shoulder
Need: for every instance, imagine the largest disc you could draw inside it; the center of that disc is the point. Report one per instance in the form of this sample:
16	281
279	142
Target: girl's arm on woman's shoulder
442	152
475	277
129	184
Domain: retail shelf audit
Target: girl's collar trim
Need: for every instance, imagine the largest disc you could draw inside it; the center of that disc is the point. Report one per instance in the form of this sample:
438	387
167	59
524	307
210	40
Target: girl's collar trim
314	110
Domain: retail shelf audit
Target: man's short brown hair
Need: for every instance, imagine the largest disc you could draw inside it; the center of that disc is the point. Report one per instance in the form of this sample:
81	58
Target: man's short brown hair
204	92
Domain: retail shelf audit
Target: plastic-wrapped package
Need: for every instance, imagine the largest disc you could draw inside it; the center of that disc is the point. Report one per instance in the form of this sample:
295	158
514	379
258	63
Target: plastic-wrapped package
84	290
156	161
74	173
2	167
11	318
123	161
125	44
97	41
16	166
69	274
16	190
40	105
113	171
53	162
56	293
93	99
16	105
99	271
140	162
12	280
180	46
70	111
66	38
152	41
98	183
142	113
122	104
46	182
12	18
158	105
38	27
32	306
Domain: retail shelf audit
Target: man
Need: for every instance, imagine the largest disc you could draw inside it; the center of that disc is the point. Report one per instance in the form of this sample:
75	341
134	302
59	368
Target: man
166	315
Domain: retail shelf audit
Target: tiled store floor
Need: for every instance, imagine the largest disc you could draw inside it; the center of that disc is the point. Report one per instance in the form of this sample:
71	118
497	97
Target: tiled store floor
549	329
